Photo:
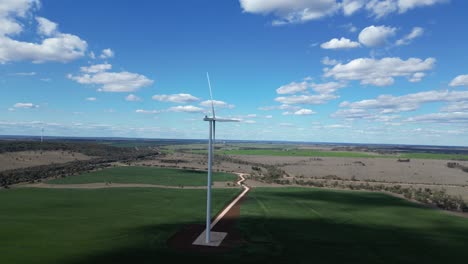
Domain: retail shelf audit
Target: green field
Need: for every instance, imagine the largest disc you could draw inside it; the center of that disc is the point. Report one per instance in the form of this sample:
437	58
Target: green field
147	175
301	225
297	152
342	154
279	225
78	226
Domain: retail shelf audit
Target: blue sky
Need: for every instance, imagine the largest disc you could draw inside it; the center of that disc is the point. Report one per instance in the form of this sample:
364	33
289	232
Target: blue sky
367	71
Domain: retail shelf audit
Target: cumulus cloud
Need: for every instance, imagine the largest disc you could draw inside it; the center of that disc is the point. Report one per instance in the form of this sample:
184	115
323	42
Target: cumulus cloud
443	118
92	99
327	88
291	11
96	68
306	99
456	107
324	93
415	33
132	98
287	11
25	105
53	45
106	54
293	88
175	98
46	27
460	80
186	109
110	81
352	6
342	43
302	111
376	36
142	111
329	62
114	81
380	72
217	104
389	104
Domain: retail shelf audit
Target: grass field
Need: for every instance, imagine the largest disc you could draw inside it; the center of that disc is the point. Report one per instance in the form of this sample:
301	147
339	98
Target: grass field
279	225
299	225
147	175
78	226
342	154
297	152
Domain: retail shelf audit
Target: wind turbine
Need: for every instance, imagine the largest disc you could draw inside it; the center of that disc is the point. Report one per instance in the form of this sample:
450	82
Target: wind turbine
211	139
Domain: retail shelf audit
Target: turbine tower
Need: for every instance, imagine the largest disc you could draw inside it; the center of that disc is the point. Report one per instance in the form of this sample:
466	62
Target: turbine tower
211	139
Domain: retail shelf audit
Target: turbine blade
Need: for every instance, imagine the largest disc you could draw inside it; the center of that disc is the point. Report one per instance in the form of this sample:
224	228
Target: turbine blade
211	95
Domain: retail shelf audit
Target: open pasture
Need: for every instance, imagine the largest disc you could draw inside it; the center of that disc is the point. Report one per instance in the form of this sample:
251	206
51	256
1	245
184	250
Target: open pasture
80	226
145	175
298	225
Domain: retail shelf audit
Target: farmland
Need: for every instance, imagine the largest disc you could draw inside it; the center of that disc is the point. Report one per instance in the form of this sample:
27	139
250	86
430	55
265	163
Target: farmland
295	224
145	175
278	225
70	226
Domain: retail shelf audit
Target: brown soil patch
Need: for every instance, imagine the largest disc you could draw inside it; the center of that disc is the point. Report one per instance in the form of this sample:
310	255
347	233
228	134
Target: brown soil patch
183	239
24	159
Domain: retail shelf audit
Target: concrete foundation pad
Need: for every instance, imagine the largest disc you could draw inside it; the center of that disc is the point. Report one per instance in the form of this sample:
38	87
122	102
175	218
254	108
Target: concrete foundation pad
216	239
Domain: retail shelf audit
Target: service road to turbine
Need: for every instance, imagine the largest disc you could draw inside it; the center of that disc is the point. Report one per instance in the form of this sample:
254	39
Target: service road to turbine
218	237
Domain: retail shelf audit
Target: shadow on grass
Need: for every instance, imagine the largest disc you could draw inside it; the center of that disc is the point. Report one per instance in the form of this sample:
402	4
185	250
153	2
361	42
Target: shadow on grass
273	240
344	197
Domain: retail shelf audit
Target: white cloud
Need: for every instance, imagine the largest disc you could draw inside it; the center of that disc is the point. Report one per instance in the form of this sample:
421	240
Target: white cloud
405	5
25	105
186	109
249	121
444	118
96	68
342	43
132	98
46	27
327	88
375	36
106	54
329	62
380	72
111	81
175	98
92	99
351	6
460	80
217	104
304	111
141	111
306	99
456	107
61	48
417	77
381	8
299	11
415	33
291	11
293	88
268	116
387	104
92	55
53	46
